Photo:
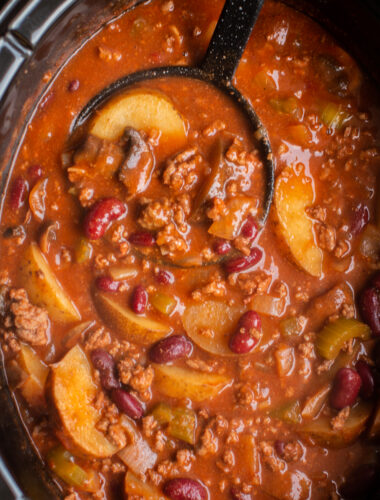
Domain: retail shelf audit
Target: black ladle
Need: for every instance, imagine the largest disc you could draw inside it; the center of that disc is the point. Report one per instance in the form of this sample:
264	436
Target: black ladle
218	68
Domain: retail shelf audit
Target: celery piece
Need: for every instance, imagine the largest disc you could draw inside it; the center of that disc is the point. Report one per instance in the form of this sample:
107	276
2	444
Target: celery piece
288	106
181	421
291	326
183	425
83	251
332	337
289	412
62	463
163	302
333	116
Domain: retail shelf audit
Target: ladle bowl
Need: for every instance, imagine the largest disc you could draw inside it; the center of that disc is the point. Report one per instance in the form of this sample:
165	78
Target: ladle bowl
218	68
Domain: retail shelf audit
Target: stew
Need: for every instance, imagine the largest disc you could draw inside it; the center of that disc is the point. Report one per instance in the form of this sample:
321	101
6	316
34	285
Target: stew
160	340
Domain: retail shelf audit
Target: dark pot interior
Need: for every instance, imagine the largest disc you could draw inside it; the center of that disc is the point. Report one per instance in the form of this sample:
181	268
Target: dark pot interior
39	36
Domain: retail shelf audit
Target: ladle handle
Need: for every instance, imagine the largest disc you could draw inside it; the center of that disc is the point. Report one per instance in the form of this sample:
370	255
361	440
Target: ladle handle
230	38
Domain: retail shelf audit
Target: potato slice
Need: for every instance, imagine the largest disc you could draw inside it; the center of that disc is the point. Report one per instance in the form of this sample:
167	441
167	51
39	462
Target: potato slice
293	194
135	328
43	287
32	387
321	431
134	488
288	485
218	319
183	383
143	110
228	226
73	392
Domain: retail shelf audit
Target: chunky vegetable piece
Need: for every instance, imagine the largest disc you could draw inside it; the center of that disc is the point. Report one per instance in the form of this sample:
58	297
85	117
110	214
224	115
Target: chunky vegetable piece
228	226
142	110
321	430
132	326
73	391
182	383
210	325
33	386
293	194
181	421
134	487
44	288
333	336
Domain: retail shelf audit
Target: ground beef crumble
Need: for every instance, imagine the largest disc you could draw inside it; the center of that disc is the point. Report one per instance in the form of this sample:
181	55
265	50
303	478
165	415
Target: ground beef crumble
22	320
180	173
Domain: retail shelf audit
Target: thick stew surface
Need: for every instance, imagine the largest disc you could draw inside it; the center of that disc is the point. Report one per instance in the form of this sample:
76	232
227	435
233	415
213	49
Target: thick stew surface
162	342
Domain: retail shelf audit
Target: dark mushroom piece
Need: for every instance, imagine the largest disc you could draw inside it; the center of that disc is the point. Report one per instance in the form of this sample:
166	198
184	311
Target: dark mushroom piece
136	168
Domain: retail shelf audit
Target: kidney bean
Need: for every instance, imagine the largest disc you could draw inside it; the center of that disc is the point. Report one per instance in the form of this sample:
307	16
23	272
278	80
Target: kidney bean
18	193
362	481
242	341
242	263
127	403
376	280
73	85
164	277
249	228
279	446
142	239
101	215
184	488
105	364
221	247
35	172
170	348
360	220
107	284
346	387
370	308
368	383
139	300
237	494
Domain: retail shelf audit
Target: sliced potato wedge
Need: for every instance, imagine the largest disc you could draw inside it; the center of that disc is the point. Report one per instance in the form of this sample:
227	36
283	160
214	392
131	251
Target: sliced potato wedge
293	194
134	488
210	325
183	383
32	387
135	328
141	109
43	287
73	392
321	431
228	226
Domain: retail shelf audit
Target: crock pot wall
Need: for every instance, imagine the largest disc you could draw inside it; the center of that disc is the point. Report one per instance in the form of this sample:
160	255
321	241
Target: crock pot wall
32	54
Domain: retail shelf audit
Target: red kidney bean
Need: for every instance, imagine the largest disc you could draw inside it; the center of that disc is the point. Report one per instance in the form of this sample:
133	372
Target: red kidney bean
376	280
107	284
221	247
18	193
242	263
242	341
73	85
279	446
35	172
142	239
139	300
105	364
170	348
370	308
368	383
101	215
362	481
250	228
164	277
184	488
346	387
127	403
360	220
237	494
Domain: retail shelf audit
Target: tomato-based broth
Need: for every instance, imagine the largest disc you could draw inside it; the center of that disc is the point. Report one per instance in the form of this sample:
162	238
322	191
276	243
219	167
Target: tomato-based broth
160	339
